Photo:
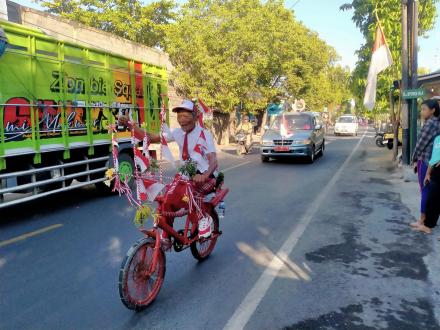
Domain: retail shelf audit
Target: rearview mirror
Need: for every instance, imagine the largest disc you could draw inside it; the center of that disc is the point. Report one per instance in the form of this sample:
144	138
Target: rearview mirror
318	127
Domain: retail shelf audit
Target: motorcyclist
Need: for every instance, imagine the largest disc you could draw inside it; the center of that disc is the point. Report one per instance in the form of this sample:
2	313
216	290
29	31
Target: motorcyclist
247	128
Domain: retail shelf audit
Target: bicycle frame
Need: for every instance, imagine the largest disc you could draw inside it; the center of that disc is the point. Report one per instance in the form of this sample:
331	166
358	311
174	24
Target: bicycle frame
182	239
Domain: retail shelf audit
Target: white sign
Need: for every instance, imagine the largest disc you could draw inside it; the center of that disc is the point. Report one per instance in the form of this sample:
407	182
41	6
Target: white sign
3	10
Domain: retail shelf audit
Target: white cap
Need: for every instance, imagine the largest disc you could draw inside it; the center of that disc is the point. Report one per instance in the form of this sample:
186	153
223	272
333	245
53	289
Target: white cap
185	105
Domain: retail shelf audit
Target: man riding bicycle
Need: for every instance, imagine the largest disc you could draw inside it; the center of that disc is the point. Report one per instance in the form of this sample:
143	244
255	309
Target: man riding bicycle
187	138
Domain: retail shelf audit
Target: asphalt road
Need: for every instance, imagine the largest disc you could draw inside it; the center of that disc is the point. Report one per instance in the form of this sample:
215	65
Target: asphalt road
297	251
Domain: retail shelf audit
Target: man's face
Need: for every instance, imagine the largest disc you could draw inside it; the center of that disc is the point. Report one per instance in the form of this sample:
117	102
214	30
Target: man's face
186	120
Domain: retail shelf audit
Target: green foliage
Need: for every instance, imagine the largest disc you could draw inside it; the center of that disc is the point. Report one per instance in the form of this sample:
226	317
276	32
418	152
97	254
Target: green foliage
236	51
154	166
389	13
227	52
188	168
132	19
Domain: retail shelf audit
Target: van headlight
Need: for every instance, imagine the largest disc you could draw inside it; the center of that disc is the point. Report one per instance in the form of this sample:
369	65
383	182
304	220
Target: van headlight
267	143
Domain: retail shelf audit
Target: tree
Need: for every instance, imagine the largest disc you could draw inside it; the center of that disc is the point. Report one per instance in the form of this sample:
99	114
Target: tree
365	13
229	51
129	19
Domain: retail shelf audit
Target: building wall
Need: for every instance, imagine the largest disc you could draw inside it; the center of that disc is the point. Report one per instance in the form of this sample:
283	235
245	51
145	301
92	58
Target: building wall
67	30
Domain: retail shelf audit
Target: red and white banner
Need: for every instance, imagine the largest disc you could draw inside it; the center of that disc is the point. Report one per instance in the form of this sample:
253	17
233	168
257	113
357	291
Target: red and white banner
149	189
380	60
141	160
199	154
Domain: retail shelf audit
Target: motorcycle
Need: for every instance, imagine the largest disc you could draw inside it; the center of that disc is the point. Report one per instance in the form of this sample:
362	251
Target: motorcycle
240	139
380	139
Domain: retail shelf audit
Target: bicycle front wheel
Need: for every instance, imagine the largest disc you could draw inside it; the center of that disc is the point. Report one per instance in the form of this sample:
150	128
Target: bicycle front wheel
137	286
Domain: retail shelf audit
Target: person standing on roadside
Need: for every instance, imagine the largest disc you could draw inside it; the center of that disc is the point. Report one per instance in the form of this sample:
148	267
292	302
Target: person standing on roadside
423	151
432	180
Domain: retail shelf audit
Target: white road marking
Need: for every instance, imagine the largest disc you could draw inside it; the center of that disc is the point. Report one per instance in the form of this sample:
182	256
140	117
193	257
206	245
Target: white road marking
32	233
250	303
232	167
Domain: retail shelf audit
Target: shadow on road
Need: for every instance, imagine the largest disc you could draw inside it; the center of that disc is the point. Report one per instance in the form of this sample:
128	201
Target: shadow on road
292	160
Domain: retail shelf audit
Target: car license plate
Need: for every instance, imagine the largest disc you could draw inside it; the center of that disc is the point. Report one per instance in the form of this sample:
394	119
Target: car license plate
281	149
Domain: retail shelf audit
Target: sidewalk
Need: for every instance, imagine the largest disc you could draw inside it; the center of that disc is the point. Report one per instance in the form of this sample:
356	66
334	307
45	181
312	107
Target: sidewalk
375	271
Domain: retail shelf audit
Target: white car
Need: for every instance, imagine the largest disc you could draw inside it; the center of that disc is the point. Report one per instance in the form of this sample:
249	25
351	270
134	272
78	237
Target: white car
347	124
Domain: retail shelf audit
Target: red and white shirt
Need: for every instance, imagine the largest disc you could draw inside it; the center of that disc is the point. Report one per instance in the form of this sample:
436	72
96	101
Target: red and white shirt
200	144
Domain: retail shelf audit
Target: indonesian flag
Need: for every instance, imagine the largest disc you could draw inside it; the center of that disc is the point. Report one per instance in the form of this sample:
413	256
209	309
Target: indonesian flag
141	160
380	60
284	131
199	154
148	189
203	110
165	150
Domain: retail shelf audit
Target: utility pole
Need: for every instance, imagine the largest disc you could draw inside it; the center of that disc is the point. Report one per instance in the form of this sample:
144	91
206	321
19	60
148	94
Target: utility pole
404	86
414	67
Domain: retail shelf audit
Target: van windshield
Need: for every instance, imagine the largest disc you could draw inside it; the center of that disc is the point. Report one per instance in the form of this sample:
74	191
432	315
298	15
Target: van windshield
293	122
346	120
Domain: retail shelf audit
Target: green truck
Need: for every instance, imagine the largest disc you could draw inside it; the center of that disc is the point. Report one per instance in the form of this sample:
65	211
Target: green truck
57	100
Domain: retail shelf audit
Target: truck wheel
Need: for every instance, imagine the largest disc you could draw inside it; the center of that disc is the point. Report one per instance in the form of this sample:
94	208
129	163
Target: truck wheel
264	159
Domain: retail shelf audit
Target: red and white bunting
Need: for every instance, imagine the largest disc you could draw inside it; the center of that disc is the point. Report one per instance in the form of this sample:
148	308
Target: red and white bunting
204	110
165	150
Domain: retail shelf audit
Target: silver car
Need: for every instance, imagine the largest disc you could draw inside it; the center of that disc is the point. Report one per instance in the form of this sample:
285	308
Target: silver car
293	135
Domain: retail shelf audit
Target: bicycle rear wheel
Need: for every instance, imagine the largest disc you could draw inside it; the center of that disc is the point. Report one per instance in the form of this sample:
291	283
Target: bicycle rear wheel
138	289
201	249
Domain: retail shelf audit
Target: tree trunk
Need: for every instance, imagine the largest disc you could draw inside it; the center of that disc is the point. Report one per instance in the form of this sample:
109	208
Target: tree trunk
264	123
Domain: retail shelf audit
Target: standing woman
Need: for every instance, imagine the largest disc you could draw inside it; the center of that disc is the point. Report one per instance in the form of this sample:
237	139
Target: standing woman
433	180
422	153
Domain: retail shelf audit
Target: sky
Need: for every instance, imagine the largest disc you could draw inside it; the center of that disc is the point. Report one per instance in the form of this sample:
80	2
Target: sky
337	29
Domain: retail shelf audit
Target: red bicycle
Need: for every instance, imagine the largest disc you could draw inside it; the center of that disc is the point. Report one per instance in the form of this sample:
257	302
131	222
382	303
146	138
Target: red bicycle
143	270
